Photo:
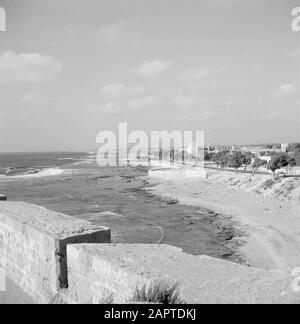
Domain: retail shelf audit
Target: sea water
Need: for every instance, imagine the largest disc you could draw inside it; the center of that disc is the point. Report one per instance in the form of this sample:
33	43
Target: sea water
74	184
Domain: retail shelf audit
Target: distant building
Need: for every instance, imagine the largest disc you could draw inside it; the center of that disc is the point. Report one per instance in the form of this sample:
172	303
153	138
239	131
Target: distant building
234	148
265	158
284	147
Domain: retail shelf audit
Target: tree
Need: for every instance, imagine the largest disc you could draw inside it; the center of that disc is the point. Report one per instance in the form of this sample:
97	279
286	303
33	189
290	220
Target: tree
293	147
247	159
295	154
292	162
278	161
221	159
257	163
172	155
297	158
207	156
216	158
224	161
236	160
160	154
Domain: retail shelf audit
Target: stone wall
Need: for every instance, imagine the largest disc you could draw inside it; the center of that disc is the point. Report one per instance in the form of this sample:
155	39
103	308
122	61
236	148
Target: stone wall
113	272
46	254
33	244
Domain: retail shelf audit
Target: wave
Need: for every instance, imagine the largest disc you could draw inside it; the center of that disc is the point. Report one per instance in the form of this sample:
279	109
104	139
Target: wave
89	159
34	173
69	158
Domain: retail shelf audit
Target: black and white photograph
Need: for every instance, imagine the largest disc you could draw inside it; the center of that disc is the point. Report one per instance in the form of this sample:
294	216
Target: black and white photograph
149	154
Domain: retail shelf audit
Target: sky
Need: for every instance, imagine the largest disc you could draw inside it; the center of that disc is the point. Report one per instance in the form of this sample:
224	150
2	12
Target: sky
72	68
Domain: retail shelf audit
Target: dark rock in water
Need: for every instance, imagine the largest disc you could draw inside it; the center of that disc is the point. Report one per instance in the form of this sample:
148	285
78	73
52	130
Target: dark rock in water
100	177
3	198
32	172
172	202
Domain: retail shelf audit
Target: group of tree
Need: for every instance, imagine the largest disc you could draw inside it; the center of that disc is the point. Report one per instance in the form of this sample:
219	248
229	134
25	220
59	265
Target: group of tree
281	160
226	159
236	160
294	152
258	163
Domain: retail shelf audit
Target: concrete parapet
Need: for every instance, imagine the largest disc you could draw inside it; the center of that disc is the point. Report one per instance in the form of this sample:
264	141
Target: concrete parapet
170	174
33	243
113	271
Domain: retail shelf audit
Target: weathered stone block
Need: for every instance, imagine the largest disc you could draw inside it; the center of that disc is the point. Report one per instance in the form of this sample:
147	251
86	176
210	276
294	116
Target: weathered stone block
33	243
99	272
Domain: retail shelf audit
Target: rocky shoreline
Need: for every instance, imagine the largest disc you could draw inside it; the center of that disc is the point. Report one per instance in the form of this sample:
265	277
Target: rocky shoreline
268	227
230	234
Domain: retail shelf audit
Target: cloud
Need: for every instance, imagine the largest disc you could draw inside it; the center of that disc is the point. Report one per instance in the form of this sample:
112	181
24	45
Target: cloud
153	68
141	102
32	99
184	102
121	97
111	33
111	107
284	91
112	90
118	89
114	107
31	67
135	90
195	74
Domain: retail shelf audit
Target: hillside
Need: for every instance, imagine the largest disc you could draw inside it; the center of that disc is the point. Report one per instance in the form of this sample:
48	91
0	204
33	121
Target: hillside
282	188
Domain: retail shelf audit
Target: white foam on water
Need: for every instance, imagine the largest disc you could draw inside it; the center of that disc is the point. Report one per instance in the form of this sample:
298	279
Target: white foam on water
43	173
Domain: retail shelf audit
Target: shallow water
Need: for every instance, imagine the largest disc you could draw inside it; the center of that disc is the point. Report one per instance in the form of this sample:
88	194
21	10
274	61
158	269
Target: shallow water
20	164
87	191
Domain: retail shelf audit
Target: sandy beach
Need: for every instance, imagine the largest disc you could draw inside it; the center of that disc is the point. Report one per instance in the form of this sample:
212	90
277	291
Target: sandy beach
267	215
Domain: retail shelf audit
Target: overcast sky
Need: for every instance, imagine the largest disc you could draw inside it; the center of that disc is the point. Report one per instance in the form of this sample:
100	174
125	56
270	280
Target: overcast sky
71	68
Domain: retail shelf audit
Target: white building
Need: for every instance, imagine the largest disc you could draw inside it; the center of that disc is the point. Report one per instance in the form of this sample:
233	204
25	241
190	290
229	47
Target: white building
284	147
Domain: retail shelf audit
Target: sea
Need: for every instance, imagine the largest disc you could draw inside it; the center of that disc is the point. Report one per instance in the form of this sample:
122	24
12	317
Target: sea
117	197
